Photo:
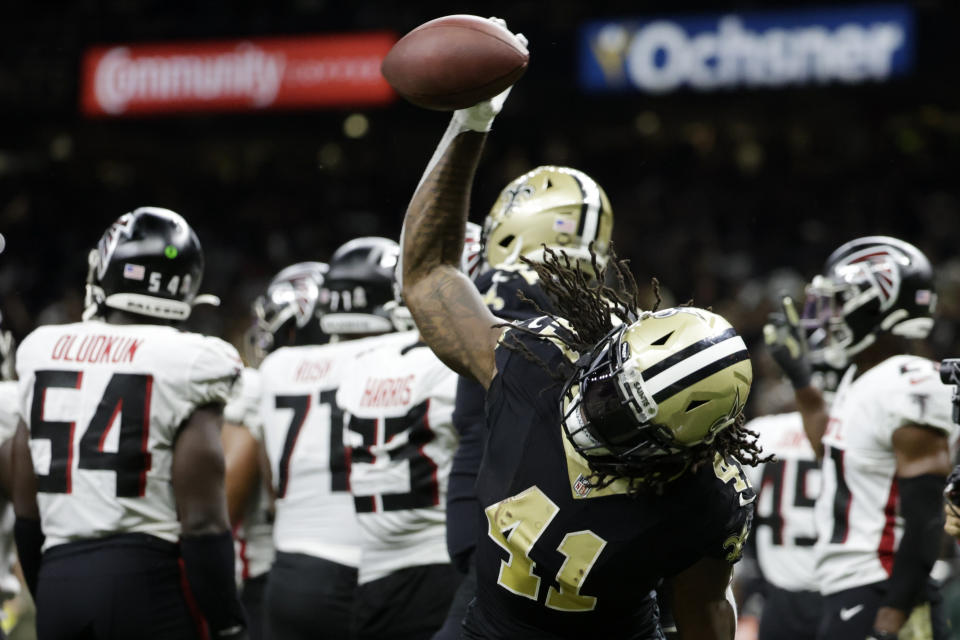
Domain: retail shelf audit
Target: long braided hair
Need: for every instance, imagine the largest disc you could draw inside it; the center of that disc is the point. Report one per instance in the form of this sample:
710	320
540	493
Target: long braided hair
588	306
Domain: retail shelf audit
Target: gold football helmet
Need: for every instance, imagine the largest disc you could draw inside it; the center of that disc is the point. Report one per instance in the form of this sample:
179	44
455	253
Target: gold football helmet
559	207
667	382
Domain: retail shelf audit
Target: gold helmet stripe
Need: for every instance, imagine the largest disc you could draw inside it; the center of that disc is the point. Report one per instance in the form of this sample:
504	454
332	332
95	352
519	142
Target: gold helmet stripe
697	367
590	209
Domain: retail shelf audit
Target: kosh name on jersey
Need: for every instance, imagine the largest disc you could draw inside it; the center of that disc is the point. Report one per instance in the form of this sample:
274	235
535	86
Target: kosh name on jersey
753	49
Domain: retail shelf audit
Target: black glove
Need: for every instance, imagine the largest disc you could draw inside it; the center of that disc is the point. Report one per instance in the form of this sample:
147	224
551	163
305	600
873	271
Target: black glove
787	345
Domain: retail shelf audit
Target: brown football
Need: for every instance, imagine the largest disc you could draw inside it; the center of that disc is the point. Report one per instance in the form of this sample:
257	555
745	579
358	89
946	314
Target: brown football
454	62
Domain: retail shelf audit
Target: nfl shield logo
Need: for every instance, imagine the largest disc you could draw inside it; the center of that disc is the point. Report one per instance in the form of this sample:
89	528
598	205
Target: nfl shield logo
581	487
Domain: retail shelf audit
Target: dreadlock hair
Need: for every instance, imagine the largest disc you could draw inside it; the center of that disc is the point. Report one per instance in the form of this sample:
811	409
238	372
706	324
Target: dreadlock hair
588	305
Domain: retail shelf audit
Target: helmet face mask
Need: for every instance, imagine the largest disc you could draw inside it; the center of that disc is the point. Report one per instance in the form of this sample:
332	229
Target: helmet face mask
871	286
150	263
653	390
557	207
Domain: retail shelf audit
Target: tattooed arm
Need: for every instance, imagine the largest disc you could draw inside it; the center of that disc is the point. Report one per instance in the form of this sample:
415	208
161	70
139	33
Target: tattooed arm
448	309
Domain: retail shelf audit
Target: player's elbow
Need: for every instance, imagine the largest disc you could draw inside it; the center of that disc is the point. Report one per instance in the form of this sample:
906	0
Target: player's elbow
201	520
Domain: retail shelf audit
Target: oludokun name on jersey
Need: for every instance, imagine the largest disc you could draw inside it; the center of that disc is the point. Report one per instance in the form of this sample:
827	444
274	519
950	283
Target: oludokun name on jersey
95	349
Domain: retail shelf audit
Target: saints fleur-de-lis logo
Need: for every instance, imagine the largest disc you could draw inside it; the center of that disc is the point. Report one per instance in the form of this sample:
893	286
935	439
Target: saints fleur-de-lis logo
515	196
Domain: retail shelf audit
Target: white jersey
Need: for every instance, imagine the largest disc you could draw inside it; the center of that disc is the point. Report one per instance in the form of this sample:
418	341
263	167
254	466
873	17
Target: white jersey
254	535
783	528
9	417
303	435
858	524
103	404
398	399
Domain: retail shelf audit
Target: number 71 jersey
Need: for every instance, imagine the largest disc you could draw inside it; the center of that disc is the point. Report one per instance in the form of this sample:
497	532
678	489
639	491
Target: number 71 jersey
103	404
303	437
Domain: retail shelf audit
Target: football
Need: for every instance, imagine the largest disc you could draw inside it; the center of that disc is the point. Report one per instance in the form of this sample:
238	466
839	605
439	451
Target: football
454	62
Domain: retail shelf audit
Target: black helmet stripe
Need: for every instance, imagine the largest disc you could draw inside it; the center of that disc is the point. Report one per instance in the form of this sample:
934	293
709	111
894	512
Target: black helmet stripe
685	353
700	374
589	222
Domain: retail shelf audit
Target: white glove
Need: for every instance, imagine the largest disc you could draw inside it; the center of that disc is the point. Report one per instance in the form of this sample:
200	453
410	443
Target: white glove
480	116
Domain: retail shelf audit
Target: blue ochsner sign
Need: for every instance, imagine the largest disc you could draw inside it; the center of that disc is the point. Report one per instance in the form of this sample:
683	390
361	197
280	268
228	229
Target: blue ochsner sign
749	49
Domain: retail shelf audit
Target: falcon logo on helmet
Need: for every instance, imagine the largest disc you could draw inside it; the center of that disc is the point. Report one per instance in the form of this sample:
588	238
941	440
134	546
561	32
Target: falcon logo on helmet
559	207
656	388
288	313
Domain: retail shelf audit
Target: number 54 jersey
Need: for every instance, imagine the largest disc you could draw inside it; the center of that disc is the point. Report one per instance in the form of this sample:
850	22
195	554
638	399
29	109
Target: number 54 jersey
104	404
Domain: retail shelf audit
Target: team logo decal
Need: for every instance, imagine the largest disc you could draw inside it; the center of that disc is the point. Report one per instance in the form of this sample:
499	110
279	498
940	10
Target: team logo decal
581	486
515	196
304	295
877	266
123	227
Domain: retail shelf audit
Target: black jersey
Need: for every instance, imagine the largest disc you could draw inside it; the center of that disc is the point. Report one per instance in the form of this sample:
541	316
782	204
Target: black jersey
561	559
511	294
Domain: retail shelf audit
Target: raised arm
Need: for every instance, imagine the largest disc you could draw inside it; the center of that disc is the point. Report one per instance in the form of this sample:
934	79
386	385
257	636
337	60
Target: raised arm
447	308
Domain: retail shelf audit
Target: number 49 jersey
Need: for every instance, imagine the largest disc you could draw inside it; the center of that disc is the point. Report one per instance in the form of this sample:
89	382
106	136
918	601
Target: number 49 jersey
104	404
858	524
784	531
398	398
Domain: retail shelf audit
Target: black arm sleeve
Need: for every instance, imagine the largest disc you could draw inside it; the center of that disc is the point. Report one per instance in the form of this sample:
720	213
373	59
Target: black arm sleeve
208	563
921	508
29	538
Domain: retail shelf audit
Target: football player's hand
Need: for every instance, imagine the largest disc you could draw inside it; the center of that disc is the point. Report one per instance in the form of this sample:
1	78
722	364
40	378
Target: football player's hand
480	116
787	345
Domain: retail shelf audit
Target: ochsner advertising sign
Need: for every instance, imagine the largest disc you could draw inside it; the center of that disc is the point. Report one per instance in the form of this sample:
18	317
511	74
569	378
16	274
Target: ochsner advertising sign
748	49
236	75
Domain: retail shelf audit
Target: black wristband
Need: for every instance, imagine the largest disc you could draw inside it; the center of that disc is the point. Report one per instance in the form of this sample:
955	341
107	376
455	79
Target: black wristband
883	635
208	562
922	510
29	538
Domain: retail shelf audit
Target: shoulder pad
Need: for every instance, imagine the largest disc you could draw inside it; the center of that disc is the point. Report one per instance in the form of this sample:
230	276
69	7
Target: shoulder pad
513	292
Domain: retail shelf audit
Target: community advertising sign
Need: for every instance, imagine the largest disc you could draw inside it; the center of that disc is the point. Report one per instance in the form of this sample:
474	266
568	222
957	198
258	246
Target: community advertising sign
236	75
747	49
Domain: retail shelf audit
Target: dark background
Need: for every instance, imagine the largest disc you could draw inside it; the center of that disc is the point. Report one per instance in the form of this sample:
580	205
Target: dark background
728	197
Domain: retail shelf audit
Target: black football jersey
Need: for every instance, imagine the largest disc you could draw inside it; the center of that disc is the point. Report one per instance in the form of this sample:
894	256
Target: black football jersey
558	558
501	289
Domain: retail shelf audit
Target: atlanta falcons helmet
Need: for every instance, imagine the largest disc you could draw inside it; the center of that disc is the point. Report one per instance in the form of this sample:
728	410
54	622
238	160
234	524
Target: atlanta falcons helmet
357	294
557	207
288	313
869	286
150	263
656	388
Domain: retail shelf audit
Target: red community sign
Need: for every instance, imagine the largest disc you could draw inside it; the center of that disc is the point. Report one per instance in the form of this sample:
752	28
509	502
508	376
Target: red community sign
236	75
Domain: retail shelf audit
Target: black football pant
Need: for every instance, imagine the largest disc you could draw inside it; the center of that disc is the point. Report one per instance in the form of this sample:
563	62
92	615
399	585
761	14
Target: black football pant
115	588
409	604
309	598
790	615
453	626
850	614
252	599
